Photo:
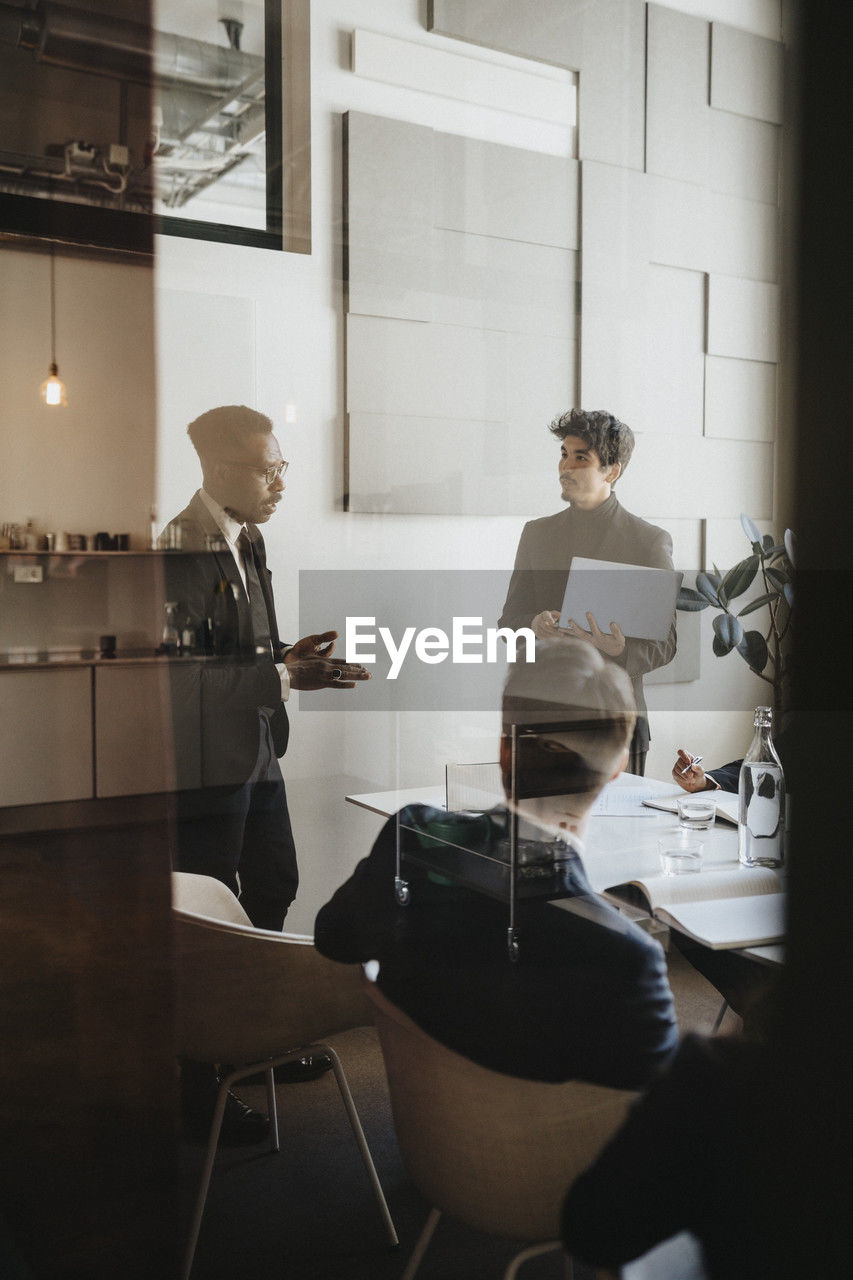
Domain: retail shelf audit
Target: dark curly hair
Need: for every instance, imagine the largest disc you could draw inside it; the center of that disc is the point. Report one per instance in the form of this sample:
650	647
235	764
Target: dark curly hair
611	439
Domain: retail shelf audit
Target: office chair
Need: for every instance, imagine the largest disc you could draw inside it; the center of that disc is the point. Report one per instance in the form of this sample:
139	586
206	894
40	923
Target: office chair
255	998
496	1152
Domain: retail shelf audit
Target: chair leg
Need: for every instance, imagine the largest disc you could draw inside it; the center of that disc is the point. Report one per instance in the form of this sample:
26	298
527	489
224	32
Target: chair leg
422	1245
724	1008
201	1197
272	1108
535	1251
344	1088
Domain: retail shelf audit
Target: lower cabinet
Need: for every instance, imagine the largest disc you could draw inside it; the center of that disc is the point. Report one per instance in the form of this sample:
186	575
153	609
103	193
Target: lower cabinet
45	736
141	747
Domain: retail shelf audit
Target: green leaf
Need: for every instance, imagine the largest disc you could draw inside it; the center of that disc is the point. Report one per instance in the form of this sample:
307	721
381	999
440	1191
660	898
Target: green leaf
790	540
758	603
727	633
767	543
690	601
776	550
753	649
706	585
778	577
788	592
750	528
739	579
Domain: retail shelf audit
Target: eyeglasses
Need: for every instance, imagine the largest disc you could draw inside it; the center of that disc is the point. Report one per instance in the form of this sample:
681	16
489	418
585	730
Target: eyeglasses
271	473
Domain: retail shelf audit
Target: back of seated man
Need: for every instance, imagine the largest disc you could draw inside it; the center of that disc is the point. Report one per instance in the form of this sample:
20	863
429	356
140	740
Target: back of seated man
588	998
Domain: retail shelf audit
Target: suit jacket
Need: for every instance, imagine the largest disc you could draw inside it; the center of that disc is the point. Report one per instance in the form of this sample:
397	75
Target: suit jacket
232	692
589	998
545	552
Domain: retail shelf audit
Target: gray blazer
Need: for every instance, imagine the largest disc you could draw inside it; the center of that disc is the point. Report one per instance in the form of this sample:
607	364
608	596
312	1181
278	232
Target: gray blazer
542	563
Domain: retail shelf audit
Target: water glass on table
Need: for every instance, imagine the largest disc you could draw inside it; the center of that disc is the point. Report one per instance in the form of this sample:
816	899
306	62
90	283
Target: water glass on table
680	852
696	812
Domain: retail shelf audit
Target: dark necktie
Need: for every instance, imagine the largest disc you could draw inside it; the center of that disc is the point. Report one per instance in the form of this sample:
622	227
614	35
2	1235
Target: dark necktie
257	601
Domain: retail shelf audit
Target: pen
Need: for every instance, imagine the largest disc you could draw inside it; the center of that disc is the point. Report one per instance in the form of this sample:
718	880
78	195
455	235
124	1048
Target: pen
693	760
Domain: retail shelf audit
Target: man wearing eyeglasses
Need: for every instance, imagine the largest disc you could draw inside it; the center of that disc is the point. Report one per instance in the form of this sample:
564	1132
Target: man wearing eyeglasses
229	712
236	826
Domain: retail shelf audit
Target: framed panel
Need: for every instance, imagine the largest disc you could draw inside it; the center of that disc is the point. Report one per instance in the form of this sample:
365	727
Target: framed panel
746	73
181	113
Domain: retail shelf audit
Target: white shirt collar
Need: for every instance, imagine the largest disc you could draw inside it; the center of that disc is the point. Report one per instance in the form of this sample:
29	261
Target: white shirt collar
231	528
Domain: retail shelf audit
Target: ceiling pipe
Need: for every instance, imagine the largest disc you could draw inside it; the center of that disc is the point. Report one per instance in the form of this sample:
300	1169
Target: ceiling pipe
60	36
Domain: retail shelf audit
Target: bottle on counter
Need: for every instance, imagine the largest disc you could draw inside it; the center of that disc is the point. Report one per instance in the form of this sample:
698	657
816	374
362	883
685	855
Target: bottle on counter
224	617
188	636
761	799
171	639
154	532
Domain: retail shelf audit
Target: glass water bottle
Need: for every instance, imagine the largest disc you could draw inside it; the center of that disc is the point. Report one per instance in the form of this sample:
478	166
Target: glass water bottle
761	796
171	640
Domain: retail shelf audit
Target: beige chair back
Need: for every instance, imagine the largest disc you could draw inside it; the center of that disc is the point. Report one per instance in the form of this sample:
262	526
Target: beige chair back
497	1152
245	994
206	896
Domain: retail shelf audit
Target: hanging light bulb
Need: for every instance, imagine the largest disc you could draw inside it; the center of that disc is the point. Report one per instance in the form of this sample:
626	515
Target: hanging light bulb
52	390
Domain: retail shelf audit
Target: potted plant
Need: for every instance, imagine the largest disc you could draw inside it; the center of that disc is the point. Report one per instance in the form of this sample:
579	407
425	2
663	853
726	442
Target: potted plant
763	651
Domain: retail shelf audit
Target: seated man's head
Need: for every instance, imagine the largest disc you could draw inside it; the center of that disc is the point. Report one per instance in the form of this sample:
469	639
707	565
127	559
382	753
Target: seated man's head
240	460
595	448
567	722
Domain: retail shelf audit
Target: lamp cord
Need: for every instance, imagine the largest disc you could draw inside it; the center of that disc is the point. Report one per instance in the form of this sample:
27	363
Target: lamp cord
52	306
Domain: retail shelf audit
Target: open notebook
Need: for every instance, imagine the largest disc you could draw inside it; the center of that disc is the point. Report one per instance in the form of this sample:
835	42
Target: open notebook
726	908
726	802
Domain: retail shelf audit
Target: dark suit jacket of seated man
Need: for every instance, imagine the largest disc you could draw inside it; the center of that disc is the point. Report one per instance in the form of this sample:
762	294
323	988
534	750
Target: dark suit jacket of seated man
588	998
595	449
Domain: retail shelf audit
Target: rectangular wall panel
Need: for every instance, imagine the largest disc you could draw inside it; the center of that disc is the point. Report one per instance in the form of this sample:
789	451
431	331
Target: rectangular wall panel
742	237
603	41
389	202
614	291
743	319
674	370
746	73
681	477
705	230
493	190
444	466
743	157
428	69
677	95
425	370
484	282
740	399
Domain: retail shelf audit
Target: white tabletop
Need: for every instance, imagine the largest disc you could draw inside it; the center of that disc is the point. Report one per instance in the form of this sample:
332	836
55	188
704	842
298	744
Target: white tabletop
616	849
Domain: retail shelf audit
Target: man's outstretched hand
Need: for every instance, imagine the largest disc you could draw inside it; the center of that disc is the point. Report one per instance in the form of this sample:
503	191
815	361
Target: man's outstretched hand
310	665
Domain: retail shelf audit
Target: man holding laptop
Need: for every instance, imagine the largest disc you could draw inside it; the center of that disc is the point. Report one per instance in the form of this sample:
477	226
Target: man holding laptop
595	448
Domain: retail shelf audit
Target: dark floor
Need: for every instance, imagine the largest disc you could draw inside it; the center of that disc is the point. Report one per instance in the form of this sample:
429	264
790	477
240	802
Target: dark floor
309	1211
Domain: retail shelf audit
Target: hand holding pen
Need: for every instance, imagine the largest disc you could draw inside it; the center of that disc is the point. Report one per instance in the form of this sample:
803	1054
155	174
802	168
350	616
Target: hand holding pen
687	772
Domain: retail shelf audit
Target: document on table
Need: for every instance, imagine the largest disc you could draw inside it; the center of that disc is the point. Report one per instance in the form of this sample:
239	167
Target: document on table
628	800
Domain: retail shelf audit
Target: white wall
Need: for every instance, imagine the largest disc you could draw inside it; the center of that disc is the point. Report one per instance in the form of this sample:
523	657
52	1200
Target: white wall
238	324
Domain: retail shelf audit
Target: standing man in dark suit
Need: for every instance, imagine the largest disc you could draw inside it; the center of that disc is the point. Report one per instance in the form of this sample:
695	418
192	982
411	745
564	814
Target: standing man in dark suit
236	826
595	449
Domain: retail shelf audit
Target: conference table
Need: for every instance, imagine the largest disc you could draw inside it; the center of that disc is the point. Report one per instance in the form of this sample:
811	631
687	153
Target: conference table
621	840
